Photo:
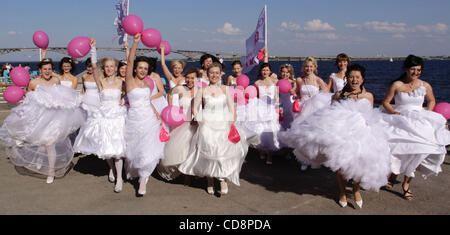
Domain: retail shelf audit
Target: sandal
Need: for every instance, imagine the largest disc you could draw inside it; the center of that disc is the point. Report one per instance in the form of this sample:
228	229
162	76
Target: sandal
407	197
391	182
390	185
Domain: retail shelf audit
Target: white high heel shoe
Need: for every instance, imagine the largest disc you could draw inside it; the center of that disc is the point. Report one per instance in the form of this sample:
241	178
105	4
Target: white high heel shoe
303	167
142	192
359	203
118	187
342	204
50	179
111	177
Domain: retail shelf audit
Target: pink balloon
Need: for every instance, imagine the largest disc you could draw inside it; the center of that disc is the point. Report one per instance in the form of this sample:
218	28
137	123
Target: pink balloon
173	115
150	82
201	84
40	39
79	47
243	80
167	47
132	25
13	94
251	92
151	37
444	109
20	76
284	86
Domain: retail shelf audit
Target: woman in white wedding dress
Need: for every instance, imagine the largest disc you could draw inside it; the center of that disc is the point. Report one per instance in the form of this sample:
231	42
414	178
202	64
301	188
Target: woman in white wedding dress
212	154
313	95
417	136
103	134
347	137
176	150
37	130
143	124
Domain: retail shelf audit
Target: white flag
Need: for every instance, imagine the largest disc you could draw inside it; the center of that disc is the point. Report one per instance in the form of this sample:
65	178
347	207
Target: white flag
256	42
122	12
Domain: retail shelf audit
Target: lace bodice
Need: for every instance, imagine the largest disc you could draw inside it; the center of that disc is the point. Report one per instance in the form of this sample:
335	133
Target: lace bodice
308	91
412	100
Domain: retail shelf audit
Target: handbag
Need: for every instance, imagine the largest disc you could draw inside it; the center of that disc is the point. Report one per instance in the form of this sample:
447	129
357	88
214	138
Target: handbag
233	136
163	135
296	108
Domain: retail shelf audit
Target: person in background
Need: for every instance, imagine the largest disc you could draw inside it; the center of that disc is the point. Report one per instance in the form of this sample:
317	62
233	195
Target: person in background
237	71
338	80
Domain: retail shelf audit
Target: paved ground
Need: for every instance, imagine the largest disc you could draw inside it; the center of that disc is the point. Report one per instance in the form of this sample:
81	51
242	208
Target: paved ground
280	189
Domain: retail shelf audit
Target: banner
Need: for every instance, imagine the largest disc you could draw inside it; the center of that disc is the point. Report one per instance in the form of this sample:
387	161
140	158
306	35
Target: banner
256	42
122	11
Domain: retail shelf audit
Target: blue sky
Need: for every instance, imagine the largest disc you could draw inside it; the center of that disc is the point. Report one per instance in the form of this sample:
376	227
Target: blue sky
296	27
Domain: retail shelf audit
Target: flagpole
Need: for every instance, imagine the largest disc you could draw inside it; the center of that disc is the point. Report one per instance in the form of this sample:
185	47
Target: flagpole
265	26
125	38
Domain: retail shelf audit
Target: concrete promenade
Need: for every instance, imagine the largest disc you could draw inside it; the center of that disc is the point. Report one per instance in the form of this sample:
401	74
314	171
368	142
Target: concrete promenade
279	189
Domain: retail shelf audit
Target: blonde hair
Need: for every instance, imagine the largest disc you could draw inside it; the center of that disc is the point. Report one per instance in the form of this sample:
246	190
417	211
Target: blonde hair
180	62
104	60
214	65
313	61
290	70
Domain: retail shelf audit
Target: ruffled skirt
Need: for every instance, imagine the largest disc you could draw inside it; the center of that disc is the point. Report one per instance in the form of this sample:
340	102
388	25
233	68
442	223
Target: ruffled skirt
213	155
348	137
37	130
103	132
417	139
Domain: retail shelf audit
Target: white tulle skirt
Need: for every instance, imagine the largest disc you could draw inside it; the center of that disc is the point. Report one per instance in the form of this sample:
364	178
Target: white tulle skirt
103	132
176	150
348	137
311	105
417	139
143	146
262	118
212	154
37	130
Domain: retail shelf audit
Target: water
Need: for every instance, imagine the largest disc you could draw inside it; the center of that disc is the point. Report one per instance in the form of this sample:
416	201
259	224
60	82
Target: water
379	74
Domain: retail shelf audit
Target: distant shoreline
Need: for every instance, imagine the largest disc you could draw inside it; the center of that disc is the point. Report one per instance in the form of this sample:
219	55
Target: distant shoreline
193	56
292	58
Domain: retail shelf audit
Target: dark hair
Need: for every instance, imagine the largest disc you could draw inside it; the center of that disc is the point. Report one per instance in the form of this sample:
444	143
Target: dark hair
353	67
136	62
122	63
214	59
192	70
67	60
263	65
341	57
235	63
88	62
45	62
410	61
151	64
